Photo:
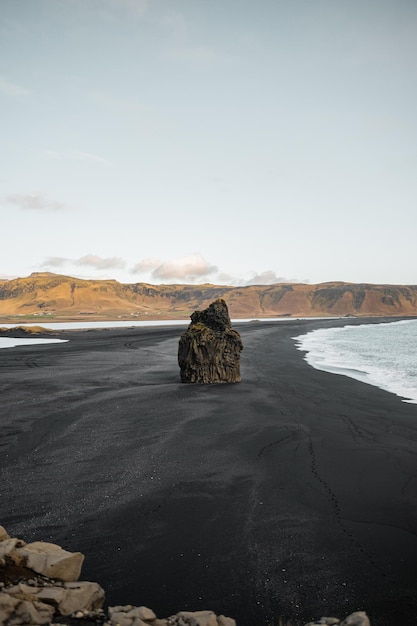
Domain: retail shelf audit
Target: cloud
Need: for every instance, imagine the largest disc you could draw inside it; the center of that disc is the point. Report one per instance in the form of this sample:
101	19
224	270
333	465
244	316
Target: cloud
269	277
227	279
89	260
75	155
12	89
98	262
185	268
35	202
55	261
146	265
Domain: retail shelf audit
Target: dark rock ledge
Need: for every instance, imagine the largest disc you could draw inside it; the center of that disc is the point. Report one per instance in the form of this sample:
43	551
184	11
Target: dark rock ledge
39	586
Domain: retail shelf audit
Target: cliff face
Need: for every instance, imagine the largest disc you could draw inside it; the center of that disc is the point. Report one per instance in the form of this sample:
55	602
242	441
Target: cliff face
64	297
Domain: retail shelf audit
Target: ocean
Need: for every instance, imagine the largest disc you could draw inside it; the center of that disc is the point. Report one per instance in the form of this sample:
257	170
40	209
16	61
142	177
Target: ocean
384	355
9	342
12	342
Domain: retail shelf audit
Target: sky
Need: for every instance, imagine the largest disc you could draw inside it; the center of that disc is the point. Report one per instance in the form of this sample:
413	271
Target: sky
209	141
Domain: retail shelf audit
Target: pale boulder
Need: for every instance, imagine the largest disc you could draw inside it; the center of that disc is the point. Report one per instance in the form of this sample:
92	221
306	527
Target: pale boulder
16	612
130	615
7	546
225	621
7	606
3	534
81	596
197	618
52	561
65	599
143	613
23	591
359	618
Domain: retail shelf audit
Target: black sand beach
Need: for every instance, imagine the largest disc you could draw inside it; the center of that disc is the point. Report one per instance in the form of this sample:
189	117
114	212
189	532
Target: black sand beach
293	493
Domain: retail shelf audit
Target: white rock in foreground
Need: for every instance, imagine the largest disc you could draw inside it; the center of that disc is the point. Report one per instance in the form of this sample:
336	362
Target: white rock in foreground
65	599
30	600
16	612
52	561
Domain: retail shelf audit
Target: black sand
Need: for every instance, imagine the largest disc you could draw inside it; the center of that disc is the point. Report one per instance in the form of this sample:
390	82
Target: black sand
293	493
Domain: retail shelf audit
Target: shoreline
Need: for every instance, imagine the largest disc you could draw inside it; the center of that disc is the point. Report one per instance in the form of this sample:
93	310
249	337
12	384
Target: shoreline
26	336
290	494
361	368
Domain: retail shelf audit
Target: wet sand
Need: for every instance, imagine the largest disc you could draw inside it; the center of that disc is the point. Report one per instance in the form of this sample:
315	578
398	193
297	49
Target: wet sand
293	493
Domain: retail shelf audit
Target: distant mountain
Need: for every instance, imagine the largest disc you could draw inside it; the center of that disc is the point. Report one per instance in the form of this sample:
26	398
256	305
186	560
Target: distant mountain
52	295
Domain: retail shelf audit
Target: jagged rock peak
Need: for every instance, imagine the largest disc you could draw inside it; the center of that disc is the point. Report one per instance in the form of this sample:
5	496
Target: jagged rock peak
216	316
209	351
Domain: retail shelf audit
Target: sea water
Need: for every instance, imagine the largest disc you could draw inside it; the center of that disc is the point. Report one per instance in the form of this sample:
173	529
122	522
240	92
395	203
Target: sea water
384	355
12	342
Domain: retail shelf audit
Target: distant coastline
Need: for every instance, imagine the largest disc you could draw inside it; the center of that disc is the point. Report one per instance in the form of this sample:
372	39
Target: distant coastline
44	296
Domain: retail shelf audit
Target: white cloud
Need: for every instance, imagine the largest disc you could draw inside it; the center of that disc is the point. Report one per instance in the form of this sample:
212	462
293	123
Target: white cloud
12	89
98	262
75	155
146	265
55	261
228	279
189	268
269	277
89	260
35	202
185	268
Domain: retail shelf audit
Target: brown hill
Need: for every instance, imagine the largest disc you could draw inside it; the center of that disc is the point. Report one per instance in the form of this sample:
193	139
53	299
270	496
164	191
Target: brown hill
63	297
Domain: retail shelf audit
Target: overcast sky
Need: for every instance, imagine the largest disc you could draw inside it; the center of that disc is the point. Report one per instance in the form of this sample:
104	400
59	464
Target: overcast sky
222	141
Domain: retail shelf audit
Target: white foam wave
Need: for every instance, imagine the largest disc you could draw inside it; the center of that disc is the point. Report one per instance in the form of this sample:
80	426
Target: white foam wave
12	342
383	355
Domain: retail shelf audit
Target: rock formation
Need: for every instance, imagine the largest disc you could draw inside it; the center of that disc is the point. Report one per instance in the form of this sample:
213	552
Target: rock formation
39	580
359	618
39	584
28	597
209	351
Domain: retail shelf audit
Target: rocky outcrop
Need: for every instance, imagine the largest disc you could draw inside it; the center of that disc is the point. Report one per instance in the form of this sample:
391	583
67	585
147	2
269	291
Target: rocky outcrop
359	618
39	580
209	351
141	616
50	560
30	596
